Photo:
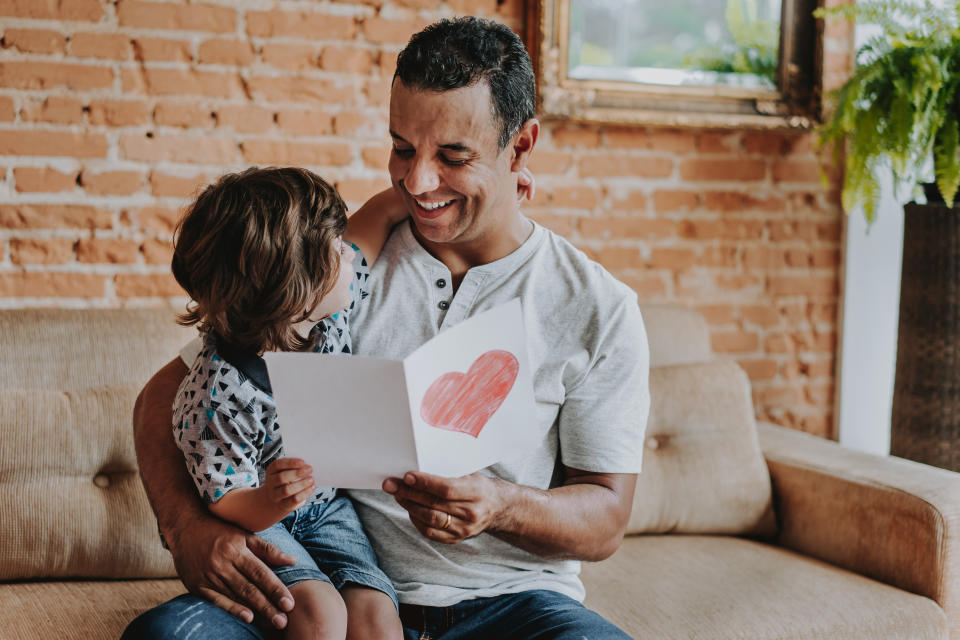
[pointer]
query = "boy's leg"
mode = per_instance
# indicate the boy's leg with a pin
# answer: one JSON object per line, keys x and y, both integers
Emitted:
{"x": 530, "y": 615}
{"x": 371, "y": 614}
{"x": 319, "y": 612}
{"x": 188, "y": 617}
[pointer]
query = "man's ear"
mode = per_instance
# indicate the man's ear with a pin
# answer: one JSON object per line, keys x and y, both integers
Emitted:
{"x": 523, "y": 143}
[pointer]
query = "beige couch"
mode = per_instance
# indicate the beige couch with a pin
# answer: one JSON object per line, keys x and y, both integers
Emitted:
{"x": 844, "y": 545}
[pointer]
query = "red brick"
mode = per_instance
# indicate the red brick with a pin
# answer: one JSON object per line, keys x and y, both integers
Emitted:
{"x": 575, "y": 136}
{"x": 718, "y": 313}
{"x": 53, "y": 216}
{"x": 387, "y": 62}
{"x": 7, "y": 109}
{"x": 108, "y": 46}
{"x": 310, "y": 26}
{"x": 301, "y": 89}
{"x": 376, "y": 157}
{"x": 723, "y": 201}
{"x": 823, "y": 312}
{"x": 175, "y": 16}
{"x": 645, "y": 286}
{"x": 718, "y": 142}
{"x": 118, "y": 113}
{"x": 228, "y": 51}
{"x": 290, "y": 56}
{"x": 51, "y": 285}
{"x": 780, "y": 231}
{"x": 296, "y": 153}
{"x": 53, "y": 143}
{"x": 829, "y": 231}
{"x": 377, "y": 92}
{"x": 578, "y": 197}
{"x": 763, "y": 257}
{"x": 163, "y": 50}
{"x": 213, "y": 84}
{"x": 666, "y": 201}
{"x": 765, "y": 203}
{"x": 49, "y": 75}
{"x": 178, "y": 148}
{"x": 672, "y": 259}
{"x": 347, "y": 59}
{"x": 31, "y": 179}
{"x": 360, "y": 125}
{"x": 34, "y": 40}
{"x": 74, "y": 10}
{"x": 759, "y": 369}
{"x": 245, "y": 119}
{"x": 550, "y": 162}
{"x": 614, "y": 258}
{"x": 763, "y": 315}
{"x": 107, "y": 251}
{"x": 634, "y": 200}
{"x": 627, "y": 166}
{"x": 778, "y": 396}
{"x": 159, "y": 219}
{"x": 309, "y": 122}
{"x": 167, "y": 185}
{"x": 41, "y": 250}
{"x": 678, "y": 142}
{"x": 791, "y": 170}
{"x": 819, "y": 394}
{"x": 803, "y": 285}
{"x": 360, "y": 190}
{"x": 632, "y": 227}
{"x": 768, "y": 143}
{"x": 188, "y": 115}
{"x": 564, "y": 225}
{"x": 157, "y": 251}
{"x": 733, "y": 168}
{"x": 390, "y": 31}
{"x": 418, "y": 4}
{"x": 725, "y": 255}
{"x": 111, "y": 183}
{"x": 54, "y": 109}
{"x": 152, "y": 285}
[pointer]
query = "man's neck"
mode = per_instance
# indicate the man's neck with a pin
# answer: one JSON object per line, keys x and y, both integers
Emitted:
{"x": 460, "y": 257}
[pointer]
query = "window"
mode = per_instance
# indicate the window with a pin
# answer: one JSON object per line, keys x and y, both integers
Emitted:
{"x": 714, "y": 63}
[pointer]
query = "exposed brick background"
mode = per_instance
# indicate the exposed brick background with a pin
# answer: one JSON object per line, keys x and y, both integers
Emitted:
{"x": 112, "y": 113}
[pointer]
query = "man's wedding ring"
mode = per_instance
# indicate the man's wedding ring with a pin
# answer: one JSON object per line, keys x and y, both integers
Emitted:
{"x": 446, "y": 523}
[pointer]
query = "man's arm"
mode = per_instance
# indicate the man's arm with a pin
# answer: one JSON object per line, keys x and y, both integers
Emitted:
{"x": 585, "y": 518}
{"x": 370, "y": 226}
{"x": 216, "y": 560}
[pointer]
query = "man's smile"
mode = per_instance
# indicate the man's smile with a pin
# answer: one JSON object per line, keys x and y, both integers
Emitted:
{"x": 432, "y": 208}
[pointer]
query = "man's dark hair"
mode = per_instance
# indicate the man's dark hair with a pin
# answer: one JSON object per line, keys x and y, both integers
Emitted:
{"x": 256, "y": 251}
{"x": 460, "y": 52}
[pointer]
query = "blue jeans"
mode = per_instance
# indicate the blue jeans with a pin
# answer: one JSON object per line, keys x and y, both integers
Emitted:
{"x": 530, "y": 615}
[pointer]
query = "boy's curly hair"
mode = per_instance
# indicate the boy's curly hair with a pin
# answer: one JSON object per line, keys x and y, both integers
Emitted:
{"x": 256, "y": 252}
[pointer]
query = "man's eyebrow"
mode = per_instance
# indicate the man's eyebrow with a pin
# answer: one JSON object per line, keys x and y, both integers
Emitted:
{"x": 452, "y": 146}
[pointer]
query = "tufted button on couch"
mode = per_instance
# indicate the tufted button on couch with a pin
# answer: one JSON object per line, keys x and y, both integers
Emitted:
{"x": 738, "y": 530}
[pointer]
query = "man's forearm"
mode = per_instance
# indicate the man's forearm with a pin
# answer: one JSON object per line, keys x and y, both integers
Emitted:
{"x": 583, "y": 520}
{"x": 169, "y": 488}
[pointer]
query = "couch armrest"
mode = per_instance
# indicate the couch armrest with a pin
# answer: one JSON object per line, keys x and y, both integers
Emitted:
{"x": 886, "y": 518}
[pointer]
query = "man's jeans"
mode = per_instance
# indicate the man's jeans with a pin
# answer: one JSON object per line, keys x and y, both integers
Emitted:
{"x": 529, "y": 615}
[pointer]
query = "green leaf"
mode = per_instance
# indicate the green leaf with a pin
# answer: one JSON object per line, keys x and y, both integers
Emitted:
{"x": 946, "y": 161}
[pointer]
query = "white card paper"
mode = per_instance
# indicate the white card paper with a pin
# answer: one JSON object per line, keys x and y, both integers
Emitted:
{"x": 459, "y": 403}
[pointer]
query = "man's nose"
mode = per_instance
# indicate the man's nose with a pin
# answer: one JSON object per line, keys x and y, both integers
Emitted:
{"x": 421, "y": 178}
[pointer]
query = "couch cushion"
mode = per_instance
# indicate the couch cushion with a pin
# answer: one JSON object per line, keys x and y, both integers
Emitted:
{"x": 87, "y": 610}
{"x": 70, "y": 496}
{"x": 703, "y": 471}
{"x": 676, "y": 335}
{"x": 72, "y": 349}
{"x": 717, "y": 587}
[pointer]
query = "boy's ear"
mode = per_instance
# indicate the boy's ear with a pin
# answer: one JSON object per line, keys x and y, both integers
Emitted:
{"x": 523, "y": 143}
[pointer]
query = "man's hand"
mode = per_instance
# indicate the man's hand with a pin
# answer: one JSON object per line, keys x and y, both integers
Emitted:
{"x": 448, "y": 510}
{"x": 224, "y": 564}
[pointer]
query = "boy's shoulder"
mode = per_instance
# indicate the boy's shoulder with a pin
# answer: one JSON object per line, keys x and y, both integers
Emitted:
{"x": 214, "y": 383}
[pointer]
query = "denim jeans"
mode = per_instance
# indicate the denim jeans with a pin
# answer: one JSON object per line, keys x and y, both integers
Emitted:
{"x": 530, "y": 615}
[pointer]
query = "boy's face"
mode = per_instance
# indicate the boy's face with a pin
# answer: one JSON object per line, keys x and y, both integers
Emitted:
{"x": 339, "y": 297}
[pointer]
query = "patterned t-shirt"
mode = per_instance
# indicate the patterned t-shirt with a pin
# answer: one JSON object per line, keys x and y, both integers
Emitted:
{"x": 224, "y": 415}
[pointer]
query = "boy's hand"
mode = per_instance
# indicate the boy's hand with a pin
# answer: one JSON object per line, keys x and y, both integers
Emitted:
{"x": 288, "y": 483}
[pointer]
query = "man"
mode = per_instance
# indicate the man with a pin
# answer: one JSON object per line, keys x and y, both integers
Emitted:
{"x": 494, "y": 554}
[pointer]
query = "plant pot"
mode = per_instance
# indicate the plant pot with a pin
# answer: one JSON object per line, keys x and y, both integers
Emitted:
{"x": 925, "y": 423}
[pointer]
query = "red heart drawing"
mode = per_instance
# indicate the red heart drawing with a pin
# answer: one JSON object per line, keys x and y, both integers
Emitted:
{"x": 465, "y": 402}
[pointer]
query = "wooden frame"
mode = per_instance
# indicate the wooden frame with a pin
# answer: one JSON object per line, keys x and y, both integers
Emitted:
{"x": 794, "y": 105}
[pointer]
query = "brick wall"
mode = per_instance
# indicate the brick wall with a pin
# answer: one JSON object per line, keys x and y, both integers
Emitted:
{"x": 113, "y": 112}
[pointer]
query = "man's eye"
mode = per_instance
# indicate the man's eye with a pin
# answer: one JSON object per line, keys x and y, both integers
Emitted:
{"x": 403, "y": 153}
{"x": 453, "y": 162}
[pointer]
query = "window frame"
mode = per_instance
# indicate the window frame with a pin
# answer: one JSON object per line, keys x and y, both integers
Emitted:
{"x": 795, "y": 104}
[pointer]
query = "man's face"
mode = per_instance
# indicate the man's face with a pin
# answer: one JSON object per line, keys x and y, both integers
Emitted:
{"x": 446, "y": 165}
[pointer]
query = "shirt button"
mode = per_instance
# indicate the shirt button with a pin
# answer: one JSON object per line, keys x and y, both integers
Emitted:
{"x": 441, "y": 283}
{"x": 444, "y": 305}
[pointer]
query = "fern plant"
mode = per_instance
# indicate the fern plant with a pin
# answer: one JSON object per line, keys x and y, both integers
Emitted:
{"x": 902, "y": 105}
